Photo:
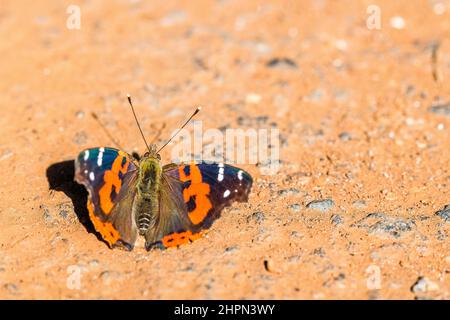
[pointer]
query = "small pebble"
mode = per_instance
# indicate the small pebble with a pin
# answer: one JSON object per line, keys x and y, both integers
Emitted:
{"x": 345, "y": 136}
{"x": 423, "y": 285}
{"x": 319, "y": 252}
{"x": 294, "y": 207}
{"x": 257, "y": 216}
{"x": 394, "y": 227}
{"x": 337, "y": 219}
{"x": 46, "y": 213}
{"x": 321, "y": 205}
{"x": 282, "y": 63}
{"x": 444, "y": 213}
{"x": 270, "y": 266}
{"x": 442, "y": 109}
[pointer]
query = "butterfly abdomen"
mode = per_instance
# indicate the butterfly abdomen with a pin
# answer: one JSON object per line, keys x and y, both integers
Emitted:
{"x": 146, "y": 204}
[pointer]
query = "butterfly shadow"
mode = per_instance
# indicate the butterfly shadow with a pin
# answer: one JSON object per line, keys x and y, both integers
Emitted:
{"x": 60, "y": 177}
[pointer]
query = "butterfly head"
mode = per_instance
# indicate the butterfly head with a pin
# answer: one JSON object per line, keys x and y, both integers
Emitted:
{"x": 152, "y": 153}
{"x": 150, "y": 168}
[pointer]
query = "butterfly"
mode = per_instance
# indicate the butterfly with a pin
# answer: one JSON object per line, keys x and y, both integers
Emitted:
{"x": 169, "y": 205}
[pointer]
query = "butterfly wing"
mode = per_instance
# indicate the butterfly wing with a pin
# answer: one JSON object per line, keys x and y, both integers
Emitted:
{"x": 110, "y": 177}
{"x": 192, "y": 197}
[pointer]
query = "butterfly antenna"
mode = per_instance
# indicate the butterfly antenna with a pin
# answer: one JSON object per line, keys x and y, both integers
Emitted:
{"x": 96, "y": 118}
{"x": 137, "y": 122}
{"x": 181, "y": 128}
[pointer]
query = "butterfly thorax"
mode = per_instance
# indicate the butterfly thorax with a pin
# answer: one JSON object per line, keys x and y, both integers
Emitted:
{"x": 146, "y": 204}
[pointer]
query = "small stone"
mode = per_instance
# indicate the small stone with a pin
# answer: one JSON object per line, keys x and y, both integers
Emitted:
{"x": 319, "y": 252}
{"x": 46, "y": 213}
{"x": 294, "y": 207}
{"x": 345, "y": 136}
{"x": 423, "y": 285}
{"x": 270, "y": 266}
{"x": 443, "y": 109}
{"x": 337, "y": 219}
{"x": 296, "y": 234}
{"x": 444, "y": 213}
{"x": 230, "y": 249}
{"x": 257, "y": 216}
{"x": 282, "y": 63}
{"x": 80, "y": 114}
{"x": 394, "y": 227}
{"x": 321, "y": 205}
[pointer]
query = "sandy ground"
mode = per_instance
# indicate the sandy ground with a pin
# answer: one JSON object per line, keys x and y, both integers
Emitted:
{"x": 364, "y": 117}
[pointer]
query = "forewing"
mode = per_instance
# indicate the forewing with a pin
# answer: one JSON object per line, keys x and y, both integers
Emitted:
{"x": 109, "y": 175}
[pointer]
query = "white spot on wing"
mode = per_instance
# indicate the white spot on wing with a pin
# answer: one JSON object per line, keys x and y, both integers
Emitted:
{"x": 91, "y": 176}
{"x": 226, "y": 193}
{"x": 239, "y": 174}
{"x": 100, "y": 157}
{"x": 86, "y": 155}
{"x": 221, "y": 171}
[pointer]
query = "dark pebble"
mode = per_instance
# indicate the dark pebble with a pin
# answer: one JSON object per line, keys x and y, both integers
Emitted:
{"x": 319, "y": 252}
{"x": 257, "y": 216}
{"x": 443, "y": 109}
{"x": 282, "y": 63}
{"x": 337, "y": 219}
{"x": 380, "y": 223}
{"x": 46, "y": 213}
{"x": 393, "y": 227}
{"x": 345, "y": 136}
{"x": 444, "y": 213}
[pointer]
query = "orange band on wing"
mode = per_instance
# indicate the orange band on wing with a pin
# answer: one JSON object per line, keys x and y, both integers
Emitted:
{"x": 106, "y": 229}
{"x": 176, "y": 239}
{"x": 199, "y": 190}
{"x": 111, "y": 179}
